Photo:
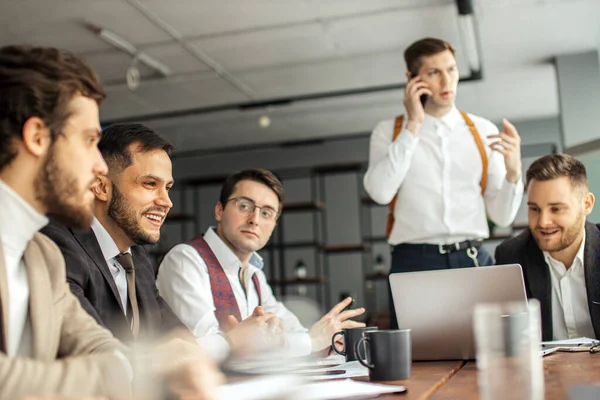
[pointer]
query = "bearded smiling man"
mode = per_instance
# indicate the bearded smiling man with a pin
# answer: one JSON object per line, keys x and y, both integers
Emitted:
{"x": 111, "y": 275}
{"x": 49, "y": 129}
{"x": 49, "y": 159}
{"x": 130, "y": 206}
{"x": 559, "y": 253}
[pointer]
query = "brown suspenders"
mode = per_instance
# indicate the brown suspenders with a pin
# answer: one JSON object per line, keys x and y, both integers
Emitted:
{"x": 484, "y": 161}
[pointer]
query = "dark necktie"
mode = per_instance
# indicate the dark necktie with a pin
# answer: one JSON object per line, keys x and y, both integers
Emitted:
{"x": 134, "y": 317}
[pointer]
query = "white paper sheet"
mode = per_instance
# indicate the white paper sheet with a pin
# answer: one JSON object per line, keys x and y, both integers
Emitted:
{"x": 291, "y": 388}
{"x": 284, "y": 365}
{"x": 263, "y": 388}
{"x": 582, "y": 341}
{"x": 344, "y": 389}
{"x": 549, "y": 350}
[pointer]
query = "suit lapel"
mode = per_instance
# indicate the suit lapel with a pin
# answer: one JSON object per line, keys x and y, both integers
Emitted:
{"x": 591, "y": 254}
{"x": 3, "y": 303}
{"x": 539, "y": 283}
{"x": 537, "y": 270}
{"x": 89, "y": 243}
{"x": 40, "y": 298}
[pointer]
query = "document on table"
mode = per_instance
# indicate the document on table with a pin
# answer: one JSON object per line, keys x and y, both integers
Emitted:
{"x": 292, "y": 388}
{"x": 577, "y": 344}
{"x": 278, "y": 366}
{"x": 582, "y": 341}
{"x": 265, "y": 387}
{"x": 332, "y": 367}
{"x": 344, "y": 389}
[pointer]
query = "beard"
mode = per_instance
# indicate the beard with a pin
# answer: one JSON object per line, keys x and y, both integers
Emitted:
{"x": 569, "y": 235}
{"x": 127, "y": 219}
{"x": 58, "y": 191}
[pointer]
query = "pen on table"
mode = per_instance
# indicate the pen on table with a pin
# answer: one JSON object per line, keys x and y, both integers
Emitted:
{"x": 331, "y": 372}
{"x": 319, "y": 366}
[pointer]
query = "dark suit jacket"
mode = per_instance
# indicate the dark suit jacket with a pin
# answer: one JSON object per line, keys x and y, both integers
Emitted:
{"x": 523, "y": 249}
{"x": 92, "y": 283}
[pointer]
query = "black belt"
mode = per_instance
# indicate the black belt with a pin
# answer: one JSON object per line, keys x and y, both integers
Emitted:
{"x": 445, "y": 248}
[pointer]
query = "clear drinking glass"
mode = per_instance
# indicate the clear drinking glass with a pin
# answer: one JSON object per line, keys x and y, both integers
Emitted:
{"x": 509, "y": 363}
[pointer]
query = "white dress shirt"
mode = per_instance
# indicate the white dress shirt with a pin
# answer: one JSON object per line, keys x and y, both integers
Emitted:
{"x": 437, "y": 176}
{"x": 570, "y": 309}
{"x": 184, "y": 283}
{"x": 110, "y": 251}
{"x": 18, "y": 223}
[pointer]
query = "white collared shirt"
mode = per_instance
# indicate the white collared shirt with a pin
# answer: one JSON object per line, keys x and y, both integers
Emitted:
{"x": 437, "y": 176}
{"x": 19, "y": 222}
{"x": 110, "y": 251}
{"x": 184, "y": 283}
{"x": 570, "y": 309}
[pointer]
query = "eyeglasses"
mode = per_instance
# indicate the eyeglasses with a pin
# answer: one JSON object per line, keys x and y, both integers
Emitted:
{"x": 246, "y": 206}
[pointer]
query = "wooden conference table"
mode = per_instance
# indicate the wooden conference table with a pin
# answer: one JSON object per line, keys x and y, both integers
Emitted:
{"x": 451, "y": 380}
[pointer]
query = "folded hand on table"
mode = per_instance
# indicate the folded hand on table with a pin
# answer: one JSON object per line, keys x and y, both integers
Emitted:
{"x": 260, "y": 331}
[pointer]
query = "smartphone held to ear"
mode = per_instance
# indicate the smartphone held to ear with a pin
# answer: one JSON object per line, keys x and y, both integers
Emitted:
{"x": 424, "y": 97}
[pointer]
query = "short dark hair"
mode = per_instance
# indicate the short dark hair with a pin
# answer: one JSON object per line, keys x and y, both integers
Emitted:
{"x": 424, "y": 47}
{"x": 555, "y": 166}
{"x": 263, "y": 176}
{"x": 116, "y": 139}
{"x": 40, "y": 82}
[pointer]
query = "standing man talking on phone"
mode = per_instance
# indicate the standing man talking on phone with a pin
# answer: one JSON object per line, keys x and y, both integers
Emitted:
{"x": 442, "y": 171}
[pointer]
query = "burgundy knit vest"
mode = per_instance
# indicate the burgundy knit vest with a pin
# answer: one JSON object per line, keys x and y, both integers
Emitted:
{"x": 223, "y": 297}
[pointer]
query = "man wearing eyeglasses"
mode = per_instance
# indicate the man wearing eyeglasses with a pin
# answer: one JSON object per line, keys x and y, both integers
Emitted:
{"x": 215, "y": 281}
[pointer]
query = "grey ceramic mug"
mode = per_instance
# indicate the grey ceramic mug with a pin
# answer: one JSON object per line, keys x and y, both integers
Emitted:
{"x": 351, "y": 336}
{"x": 388, "y": 353}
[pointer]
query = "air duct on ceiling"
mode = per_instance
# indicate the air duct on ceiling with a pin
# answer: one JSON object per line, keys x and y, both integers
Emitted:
{"x": 469, "y": 41}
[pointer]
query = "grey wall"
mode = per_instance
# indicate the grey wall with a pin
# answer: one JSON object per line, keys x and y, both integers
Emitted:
{"x": 579, "y": 86}
{"x": 592, "y": 166}
{"x": 346, "y": 219}
{"x": 333, "y": 151}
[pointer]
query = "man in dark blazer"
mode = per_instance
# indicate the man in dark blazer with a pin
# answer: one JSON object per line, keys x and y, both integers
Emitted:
{"x": 560, "y": 252}
{"x": 91, "y": 281}
{"x": 131, "y": 203}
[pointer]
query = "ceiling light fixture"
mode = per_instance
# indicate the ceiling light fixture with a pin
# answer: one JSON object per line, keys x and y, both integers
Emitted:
{"x": 467, "y": 27}
{"x": 133, "y": 77}
{"x": 264, "y": 121}
{"x": 138, "y": 56}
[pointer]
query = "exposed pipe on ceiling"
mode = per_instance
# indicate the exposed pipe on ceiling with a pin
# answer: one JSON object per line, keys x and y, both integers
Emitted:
{"x": 193, "y": 49}
{"x": 469, "y": 37}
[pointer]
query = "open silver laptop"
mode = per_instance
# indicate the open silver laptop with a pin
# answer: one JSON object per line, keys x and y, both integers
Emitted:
{"x": 438, "y": 306}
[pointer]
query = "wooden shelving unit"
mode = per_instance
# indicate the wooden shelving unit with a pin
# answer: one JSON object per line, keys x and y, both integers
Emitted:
{"x": 299, "y": 281}
{"x": 376, "y": 276}
{"x": 304, "y": 206}
{"x": 344, "y": 248}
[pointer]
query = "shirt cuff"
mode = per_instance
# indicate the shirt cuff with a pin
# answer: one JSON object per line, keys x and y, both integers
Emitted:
{"x": 216, "y": 345}
{"x": 404, "y": 144}
{"x": 298, "y": 344}
{"x": 516, "y": 187}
